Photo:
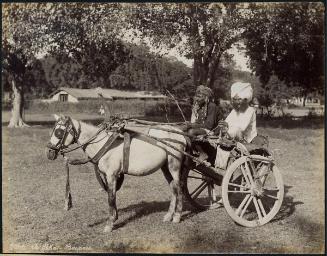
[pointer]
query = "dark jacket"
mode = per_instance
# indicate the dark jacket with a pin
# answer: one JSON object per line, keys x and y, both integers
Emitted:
{"x": 209, "y": 121}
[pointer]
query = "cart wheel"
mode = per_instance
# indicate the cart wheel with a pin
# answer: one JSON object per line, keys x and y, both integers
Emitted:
{"x": 252, "y": 190}
{"x": 200, "y": 191}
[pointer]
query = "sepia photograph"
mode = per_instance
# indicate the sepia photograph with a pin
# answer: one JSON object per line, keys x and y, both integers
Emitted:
{"x": 163, "y": 127}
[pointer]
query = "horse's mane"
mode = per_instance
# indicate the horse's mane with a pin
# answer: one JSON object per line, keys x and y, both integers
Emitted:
{"x": 88, "y": 128}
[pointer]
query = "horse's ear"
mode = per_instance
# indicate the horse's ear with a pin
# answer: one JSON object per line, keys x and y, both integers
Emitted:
{"x": 56, "y": 116}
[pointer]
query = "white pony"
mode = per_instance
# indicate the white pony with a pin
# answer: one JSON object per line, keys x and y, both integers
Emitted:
{"x": 146, "y": 156}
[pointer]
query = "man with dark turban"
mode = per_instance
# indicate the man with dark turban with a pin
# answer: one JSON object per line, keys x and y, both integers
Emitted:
{"x": 204, "y": 115}
{"x": 204, "y": 112}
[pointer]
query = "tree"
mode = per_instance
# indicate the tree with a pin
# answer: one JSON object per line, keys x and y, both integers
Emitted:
{"x": 201, "y": 31}
{"x": 147, "y": 71}
{"x": 273, "y": 94}
{"x": 83, "y": 32}
{"x": 14, "y": 68}
{"x": 287, "y": 40}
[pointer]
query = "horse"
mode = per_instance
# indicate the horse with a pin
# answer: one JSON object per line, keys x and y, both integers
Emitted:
{"x": 146, "y": 156}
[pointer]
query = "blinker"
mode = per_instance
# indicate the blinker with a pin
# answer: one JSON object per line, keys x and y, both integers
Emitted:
{"x": 59, "y": 133}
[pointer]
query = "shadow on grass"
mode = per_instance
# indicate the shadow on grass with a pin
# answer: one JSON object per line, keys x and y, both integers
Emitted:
{"x": 143, "y": 209}
{"x": 288, "y": 207}
{"x": 139, "y": 210}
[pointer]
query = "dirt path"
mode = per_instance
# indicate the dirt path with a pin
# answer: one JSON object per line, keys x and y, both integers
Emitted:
{"x": 34, "y": 219}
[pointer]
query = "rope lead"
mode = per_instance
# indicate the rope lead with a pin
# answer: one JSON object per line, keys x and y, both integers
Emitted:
{"x": 68, "y": 195}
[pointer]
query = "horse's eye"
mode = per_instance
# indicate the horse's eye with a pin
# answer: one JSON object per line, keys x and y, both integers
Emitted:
{"x": 59, "y": 133}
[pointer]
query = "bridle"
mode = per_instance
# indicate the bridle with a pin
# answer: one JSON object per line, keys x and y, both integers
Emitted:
{"x": 61, "y": 134}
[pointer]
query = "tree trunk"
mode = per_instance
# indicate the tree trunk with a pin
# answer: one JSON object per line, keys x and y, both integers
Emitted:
{"x": 16, "y": 119}
{"x": 304, "y": 99}
{"x": 211, "y": 74}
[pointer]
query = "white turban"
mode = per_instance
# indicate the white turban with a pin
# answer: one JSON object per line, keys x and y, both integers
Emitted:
{"x": 242, "y": 90}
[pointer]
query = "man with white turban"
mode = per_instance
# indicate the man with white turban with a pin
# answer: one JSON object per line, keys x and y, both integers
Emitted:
{"x": 242, "y": 119}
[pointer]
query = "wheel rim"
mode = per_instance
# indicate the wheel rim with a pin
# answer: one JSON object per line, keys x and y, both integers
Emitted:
{"x": 201, "y": 191}
{"x": 252, "y": 191}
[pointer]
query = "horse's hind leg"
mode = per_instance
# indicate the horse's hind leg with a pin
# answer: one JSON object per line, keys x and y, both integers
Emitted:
{"x": 171, "y": 171}
{"x": 113, "y": 214}
{"x": 172, "y": 205}
{"x": 175, "y": 170}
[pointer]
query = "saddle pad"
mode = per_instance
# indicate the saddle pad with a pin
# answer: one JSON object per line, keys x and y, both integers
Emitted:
{"x": 138, "y": 128}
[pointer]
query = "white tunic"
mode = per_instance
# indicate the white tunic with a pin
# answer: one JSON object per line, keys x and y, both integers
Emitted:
{"x": 242, "y": 125}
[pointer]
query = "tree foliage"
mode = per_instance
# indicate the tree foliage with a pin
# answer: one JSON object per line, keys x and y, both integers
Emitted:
{"x": 83, "y": 32}
{"x": 200, "y": 31}
{"x": 287, "y": 40}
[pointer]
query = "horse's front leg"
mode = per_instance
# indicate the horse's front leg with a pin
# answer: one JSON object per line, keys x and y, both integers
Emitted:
{"x": 113, "y": 214}
{"x": 171, "y": 171}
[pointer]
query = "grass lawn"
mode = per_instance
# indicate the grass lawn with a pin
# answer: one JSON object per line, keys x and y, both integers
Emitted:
{"x": 34, "y": 219}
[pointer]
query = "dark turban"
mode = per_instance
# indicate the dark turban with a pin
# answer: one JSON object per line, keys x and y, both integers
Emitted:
{"x": 201, "y": 89}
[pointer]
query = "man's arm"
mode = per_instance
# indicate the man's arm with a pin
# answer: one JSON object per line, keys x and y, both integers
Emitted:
{"x": 210, "y": 121}
{"x": 250, "y": 117}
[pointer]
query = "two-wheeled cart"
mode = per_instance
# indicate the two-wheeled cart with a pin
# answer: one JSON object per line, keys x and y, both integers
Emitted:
{"x": 250, "y": 187}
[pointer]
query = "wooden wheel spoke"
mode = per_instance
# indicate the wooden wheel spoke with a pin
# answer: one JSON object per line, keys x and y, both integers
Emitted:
{"x": 195, "y": 177}
{"x": 248, "y": 172}
{"x": 270, "y": 196}
{"x": 246, "y": 206}
{"x": 195, "y": 170}
{"x": 245, "y": 175}
{"x": 254, "y": 169}
{"x": 261, "y": 207}
{"x": 257, "y": 208}
{"x": 262, "y": 175}
{"x": 240, "y": 192}
{"x": 236, "y": 185}
{"x": 246, "y": 200}
{"x": 199, "y": 189}
{"x": 271, "y": 189}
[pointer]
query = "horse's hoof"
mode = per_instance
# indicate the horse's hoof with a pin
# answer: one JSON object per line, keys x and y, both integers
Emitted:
{"x": 168, "y": 217}
{"x": 108, "y": 228}
{"x": 177, "y": 218}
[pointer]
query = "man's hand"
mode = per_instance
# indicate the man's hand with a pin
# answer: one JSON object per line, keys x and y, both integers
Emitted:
{"x": 222, "y": 124}
{"x": 222, "y": 127}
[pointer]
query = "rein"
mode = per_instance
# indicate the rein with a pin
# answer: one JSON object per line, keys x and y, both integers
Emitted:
{"x": 68, "y": 150}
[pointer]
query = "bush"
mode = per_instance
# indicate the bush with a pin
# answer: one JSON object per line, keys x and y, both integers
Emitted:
{"x": 171, "y": 109}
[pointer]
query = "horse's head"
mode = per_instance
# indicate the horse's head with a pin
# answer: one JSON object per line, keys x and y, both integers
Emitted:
{"x": 63, "y": 134}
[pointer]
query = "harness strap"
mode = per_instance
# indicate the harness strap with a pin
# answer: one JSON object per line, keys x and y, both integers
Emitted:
{"x": 126, "y": 150}
{"x": 105, "y": 148}
{"x": 68, "y": 195}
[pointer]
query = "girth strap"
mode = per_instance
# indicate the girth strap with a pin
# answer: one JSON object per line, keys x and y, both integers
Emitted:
{"x": 126, "y": 150}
